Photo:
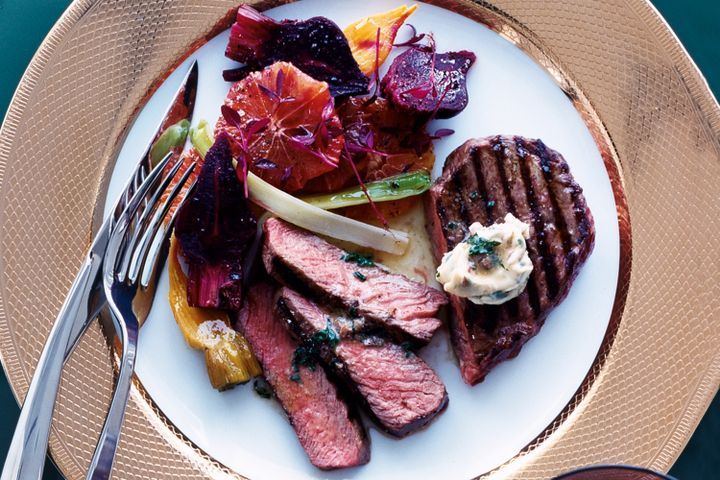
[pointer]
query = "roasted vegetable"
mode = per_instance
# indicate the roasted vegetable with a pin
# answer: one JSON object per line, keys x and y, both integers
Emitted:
{"x": 369, "y": 50}
{"x": 214, "y": 228}
{"x": 228, "y": 357}
{"x": 323, "y": 222}
{"x": 173, "y": 137}
{"x": 421, "y": 81}
{"x": 230, "y": 361}
{"x": 391, "y": 188}
{"x": 201, "y": 138}
{"x": 316, "y": 46}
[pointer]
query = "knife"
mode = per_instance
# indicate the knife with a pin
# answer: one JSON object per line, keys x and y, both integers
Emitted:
{"x": 26, "y": 456}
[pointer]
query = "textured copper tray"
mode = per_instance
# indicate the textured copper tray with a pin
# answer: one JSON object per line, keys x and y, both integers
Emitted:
{"x": 652, "y": 115}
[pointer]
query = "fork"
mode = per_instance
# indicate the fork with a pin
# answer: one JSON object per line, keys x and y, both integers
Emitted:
{"x": 133, "y": 261}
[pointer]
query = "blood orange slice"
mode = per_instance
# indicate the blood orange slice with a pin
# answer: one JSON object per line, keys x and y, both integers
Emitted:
{"x": 287, "y": 123}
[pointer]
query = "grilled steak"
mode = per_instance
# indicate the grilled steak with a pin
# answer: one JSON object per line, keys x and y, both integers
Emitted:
{"x": 309, "y": 264}
{"x": 401, "y": 392}
{"x": 481, "y": 182}
{"x": 328, "y": 429}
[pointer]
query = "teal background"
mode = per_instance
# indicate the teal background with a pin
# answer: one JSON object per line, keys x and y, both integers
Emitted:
{"x": 24, "y": 24}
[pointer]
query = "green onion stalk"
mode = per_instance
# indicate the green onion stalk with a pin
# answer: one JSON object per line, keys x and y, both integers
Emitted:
{"x": 173, "y": 137}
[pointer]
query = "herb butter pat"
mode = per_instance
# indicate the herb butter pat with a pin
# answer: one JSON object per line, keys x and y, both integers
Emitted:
{"x": 491, "y": 266}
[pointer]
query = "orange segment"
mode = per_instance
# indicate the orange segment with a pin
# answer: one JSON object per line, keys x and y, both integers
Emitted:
{"x": 303, "y": 138}
{"x": 362, "y": 36}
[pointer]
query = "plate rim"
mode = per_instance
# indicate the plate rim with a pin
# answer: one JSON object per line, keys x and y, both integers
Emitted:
{"x": 697, "y": 88}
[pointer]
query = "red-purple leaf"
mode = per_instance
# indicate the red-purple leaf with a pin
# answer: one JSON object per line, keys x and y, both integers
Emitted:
{"x": 269, "y": 93}
{"x": 279, "y": 83}
{"x": 443, "y": 132}
{"x": 413, "y": 40}
{"x": 231, "y": 117}
{"x": 256, "y": 126}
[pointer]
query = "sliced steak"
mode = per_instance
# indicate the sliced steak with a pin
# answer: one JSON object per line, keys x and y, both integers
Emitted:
{"x": 482, "y": 181}
{"x": 328, "y": 429}
{"x": 400, "y": 391}
{"x": 309, "y": 264}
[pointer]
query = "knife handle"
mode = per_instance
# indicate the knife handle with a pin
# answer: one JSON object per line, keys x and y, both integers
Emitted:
{"x": 26, "y": 456}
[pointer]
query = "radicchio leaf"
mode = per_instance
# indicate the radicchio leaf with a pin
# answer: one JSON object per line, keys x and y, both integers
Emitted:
{"x": 214, "y": 228}
{"x": 424, "y": 82}
{"x": 316, "y": 46}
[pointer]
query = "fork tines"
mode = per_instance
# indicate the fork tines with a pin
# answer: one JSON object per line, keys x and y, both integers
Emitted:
{"x": 135, "y": 240}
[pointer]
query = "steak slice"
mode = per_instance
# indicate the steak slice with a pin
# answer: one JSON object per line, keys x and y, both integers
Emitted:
{"x": 483, "y": 180}
{"x": 328, "y": 428}
{"x": 309, "y": 264}
{"x": 400, "y": 391}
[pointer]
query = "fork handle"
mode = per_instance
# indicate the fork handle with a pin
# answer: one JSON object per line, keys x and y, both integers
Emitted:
{"x": 26, "y": 456}
{"x": 104, "y": 456}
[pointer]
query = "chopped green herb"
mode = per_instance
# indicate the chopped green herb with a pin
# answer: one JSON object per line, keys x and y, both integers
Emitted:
{"x": 407, "y": 348}
{"x": 359, "y": 258}
{"x": 262, "y": 388}
{"x": 474, "y": 195}
{"x": 491, "y": 203}
{"x": 353, "y": 311}
{"x": 452, "y": 225}
{"x": 481, "y": 246}
{"x": 359, "y": 276}
{"x": 306, "y": 355}
{"x": 295, "y": 377}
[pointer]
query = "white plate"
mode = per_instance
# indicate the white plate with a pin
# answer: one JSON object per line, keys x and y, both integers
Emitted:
{"x": 484, "y": 425}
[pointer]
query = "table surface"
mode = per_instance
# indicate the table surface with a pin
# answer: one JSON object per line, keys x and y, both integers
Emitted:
{"x": 23, "y": 25}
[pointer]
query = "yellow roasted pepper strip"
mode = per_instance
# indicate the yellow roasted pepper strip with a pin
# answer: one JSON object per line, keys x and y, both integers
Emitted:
{"x": 362, "y": 36}
{"x": 228, "y": 357}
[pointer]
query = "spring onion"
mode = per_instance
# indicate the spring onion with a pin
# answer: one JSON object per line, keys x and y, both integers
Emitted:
{"x": 173, "y": 137}
{"x": 323, "y": 222}
{"x": 201, "y": 138}
{"x": 390, "y": 188}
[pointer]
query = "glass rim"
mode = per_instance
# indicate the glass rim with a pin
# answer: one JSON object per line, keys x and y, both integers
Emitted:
{"x": 634, "y": 468}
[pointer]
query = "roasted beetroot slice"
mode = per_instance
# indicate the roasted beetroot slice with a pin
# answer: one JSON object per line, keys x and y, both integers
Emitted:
{"x": 413, "y": 85}
{"x": 215, "y": 227}
{"x": 316, "y": 46}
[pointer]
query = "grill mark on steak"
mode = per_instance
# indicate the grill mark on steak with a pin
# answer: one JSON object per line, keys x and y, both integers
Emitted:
{"x": 327, "y": 427}
{"x": 300, "y": 259}
{"x": 538, "y": 149}
{"x": 398, "y": 389}
{"x": 522, "y": 205}
{"x": 510, "y": 169}
{"x": 543, "y": 233}
{"x": 513, "y": 202}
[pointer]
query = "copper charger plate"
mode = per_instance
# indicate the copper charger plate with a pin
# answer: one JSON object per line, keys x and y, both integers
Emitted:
{"x": 649, "y": 108}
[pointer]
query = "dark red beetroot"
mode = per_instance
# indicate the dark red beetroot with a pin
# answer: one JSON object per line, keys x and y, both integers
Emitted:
{"x": 422, "y": 81}
{"x": 309, "y": 264}
{"x": 215, "y": 227}
{"x": 328, "y": 429}
{"x": 316, "y": 46}
{"x": 400, "y": 390}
